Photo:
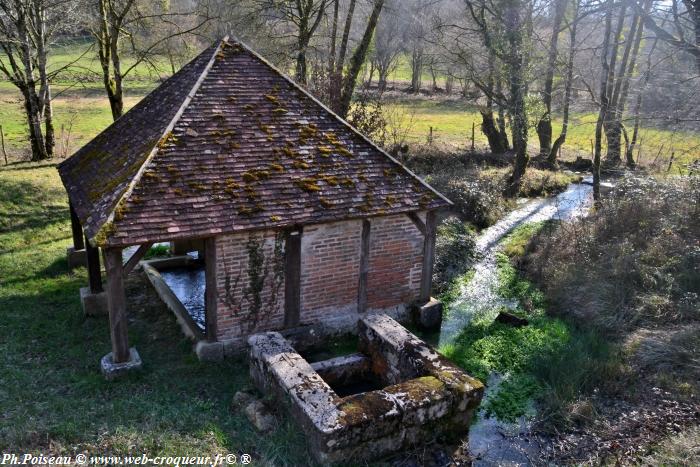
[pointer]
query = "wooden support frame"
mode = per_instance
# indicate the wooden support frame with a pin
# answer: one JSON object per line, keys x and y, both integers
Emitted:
{"x": 292, "y": 278}
{"x": 116, "y": 300}
{"x": 420, "y": 225}
{"x": 364, "y": 266}
{"x": 426, "y": 280}
{"x": 76, "y": 229}
{"x": 210, "y": 293}
{"x": 93, "y": 265}
{"x": 136, "y": 257}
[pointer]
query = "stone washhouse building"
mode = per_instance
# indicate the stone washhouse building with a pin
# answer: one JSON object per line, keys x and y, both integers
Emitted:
{"x": 300, "y": 220}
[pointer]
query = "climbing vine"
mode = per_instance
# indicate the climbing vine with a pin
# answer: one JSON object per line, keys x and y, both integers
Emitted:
{"x": 264, "y": 271}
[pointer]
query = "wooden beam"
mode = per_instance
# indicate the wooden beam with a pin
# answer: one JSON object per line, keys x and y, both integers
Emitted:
{"x": 426, "y": 280}
{"x": 364, "y": 267}
{"x": 210, "y": 294}
{"x": 78, "y": 241}
{"x": 116, "y": 300}
{"x": 93, "y": 266}
{"x": 136, "y": 257}
{"x": 292, "y": 278}
{"x": 420, "y": 225}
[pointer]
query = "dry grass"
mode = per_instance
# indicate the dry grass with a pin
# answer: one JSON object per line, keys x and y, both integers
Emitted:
{"x": 633, "y": 263}
{"x": 682, "y": 449}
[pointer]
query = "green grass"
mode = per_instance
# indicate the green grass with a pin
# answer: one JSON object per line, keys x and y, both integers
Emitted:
{"x": 52, "y": 395}
{"x": 452, "y": 121}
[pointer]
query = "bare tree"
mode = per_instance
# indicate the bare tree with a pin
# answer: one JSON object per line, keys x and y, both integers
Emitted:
{"x": 684, "y": 24}
{"x": 604, "y": 97}
{"x": 568, "y": 84}
{"x": 388, "y": 47}
{"x": 544, "y": 125}
{"x": 26, "y": 31}
{"x": 343, "y": 82}
{"x": 116, "y": 20}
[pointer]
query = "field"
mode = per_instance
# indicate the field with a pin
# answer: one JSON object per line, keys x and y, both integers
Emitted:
{"x": 82, "y": 111}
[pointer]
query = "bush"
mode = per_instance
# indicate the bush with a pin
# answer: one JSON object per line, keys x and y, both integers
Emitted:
{"x": 454, "y": 252}
{"x": 634, "y": 262}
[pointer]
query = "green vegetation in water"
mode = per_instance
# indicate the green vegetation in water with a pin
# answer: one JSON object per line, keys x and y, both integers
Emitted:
{"x": 157, "y": 251}
{"x": 549, "y": 360}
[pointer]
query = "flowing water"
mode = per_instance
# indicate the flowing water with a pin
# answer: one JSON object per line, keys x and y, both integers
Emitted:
{"x": 492, "y": 442}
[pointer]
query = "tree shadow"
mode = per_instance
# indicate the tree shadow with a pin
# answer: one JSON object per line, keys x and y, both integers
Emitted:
{"x": 24, "y": 205}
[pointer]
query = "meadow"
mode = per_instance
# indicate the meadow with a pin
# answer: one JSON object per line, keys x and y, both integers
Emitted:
{"x": 81, "y": 111}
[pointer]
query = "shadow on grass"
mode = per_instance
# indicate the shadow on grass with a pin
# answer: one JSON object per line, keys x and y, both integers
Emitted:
{"x": 25, "y": 206}
{"x": 53, "y": 394}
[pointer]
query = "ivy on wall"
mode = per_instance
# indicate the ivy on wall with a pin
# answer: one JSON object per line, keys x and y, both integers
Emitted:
{"x": 263, "y": 271}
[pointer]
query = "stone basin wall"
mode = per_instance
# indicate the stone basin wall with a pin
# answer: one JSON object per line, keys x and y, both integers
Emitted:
{"x": 425, "y": 395}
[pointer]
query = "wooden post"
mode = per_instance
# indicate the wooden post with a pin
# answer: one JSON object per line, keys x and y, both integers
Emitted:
{"x": 210, "y": 309}
{"x": 426, "y": 280}
{"x": 473, "y": 126}
{"x": 364, "y": 267}
{"x": 292, "y": 278}
{"x": 2, "y": 144}
{"x": 93, "y": 266}
{"x": 116, "y": 300}
{"x": 78, "y": 243}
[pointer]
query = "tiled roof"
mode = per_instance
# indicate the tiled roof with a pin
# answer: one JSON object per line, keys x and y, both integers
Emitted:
{"x": 229, "y": 144}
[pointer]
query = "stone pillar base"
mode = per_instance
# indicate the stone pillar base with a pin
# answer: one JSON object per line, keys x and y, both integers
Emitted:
{"x": 209, "y": 351}
{"x": 94, "y": 304}
{"x": 429, "y": 315}
{"x": 76, "y": 258}
{"x": 111, "y": 370}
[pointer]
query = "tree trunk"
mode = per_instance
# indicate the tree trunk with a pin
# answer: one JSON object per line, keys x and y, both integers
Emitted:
{"x": 604, "y": 101}
{"x": 336, "y": 85}
{"x": 358, "y": 58}
{"x": 501, "y": 121}
{"x": 612, "y": 130}
{"x": 544, "y": 125}
{"x": 493, "y": 135}
{"x": 515, "y": 63}
{"x": 559, "y": 142}
{"x": 301, "y": 67}
{"x": 416, "y": 70}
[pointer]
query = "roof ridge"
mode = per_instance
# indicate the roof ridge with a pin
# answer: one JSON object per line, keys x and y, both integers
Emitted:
{"x": 338, "y": 117}
{"x": 139, "y": 174}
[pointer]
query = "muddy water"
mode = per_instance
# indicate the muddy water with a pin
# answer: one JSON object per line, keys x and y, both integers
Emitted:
{"x": 492, "y": 442}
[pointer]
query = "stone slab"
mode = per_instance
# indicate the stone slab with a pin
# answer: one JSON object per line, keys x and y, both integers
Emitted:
{"x": 112, "y": 370}
{"x": 209, "y": 351}
{"x": 94, "y": 304}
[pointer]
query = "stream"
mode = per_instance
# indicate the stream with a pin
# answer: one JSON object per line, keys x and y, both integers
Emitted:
{"x": 492, "y": 442}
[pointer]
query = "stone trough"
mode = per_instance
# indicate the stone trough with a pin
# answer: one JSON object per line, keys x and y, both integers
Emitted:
{"x": 394, "y": 393}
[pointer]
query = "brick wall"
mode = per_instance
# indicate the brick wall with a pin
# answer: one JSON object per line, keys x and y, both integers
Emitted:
{"x": 330, "y": 270}
{"x": 395, "y": 262}
{"x": 238, "y": 314}
{"x": 329, "y": 274}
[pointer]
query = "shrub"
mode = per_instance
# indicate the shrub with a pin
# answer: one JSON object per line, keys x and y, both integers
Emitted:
{"x": 635, "y": 262}
{"x": 454, "y": 252}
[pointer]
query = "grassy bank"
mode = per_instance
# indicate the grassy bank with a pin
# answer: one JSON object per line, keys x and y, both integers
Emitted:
{"x": 53, "y": 398}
